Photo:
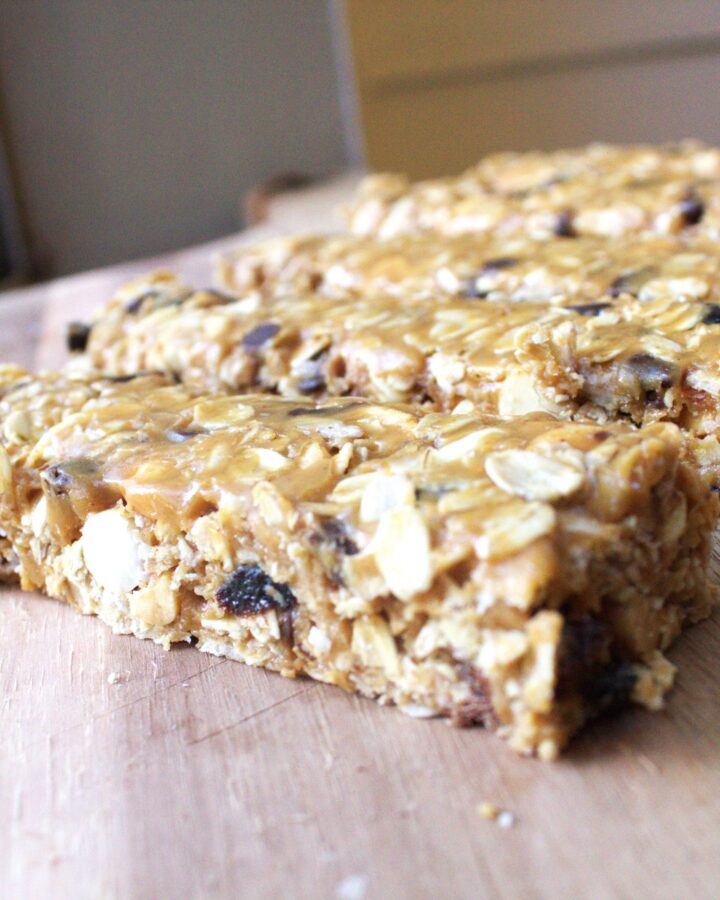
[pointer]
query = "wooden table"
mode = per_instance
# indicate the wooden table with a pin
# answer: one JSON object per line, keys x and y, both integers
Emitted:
{"x": 129, "y": 772}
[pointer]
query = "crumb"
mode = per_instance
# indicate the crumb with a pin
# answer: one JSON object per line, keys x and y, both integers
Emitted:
{"x": 503, "y": 817}
{"x": 488, "y": 810}
{"x": 114, "y": 678}
{"x": 353, "y": 887}
{"x": 506, "y": 819}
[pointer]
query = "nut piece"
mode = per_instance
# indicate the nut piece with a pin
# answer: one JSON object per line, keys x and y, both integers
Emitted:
{"x": 373, "y": 644}
{"x": 113, "y": 551}
{"x": 531, "y": 475}
{"x": 156, "y": 604}
{"x": 402, "y": 551}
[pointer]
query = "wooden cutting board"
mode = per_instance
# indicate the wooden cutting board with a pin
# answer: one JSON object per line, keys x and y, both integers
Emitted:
{"x": 129, "y": 772}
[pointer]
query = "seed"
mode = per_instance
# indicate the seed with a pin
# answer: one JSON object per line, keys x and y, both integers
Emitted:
{"x": 260, "y": 335}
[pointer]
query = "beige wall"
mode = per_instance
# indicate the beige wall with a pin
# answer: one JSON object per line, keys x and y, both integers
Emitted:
{"x": 443, "y": 81}
{"x": 136, "y": 125}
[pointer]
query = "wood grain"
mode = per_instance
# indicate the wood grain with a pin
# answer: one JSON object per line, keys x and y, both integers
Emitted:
{"x": 195, "y": 777}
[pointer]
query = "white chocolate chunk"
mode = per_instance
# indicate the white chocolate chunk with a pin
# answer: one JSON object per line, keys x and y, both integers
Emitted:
{"x": 113, "y": 551}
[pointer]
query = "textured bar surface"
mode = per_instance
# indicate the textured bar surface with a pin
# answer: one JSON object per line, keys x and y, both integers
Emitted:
{"x": 598, "y": 190}
{"x": 521, "y": 574}
{"x": 563, "y": 272}
{"x": 651, "y": 357}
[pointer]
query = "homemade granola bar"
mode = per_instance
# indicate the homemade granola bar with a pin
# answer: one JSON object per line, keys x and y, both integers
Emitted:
{"x": 597, "y": 190}
{"x": 478, "y": 267}
{"x": 520, "y": 574}
{"x": 654, "y": 356}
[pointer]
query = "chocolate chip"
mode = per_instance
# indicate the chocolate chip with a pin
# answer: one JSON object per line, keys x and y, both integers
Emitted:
{"x": 250, "y": 590}
{"x": 653, "y": 374}
{"x": 589, "y": 309}
{"x": 497, "y": 265}
{"x": 124, "y": 379}
{"x": 631, "y": 282}
{"x": 77, "y": 336}
{"x": 312, "y": 384}
{"x": 692, "y": 208}
{"x": 472, "y": 292}
{"x": 564, "y": 225}
{"x": 133, "y": 307}
{"x": 260, "y": 335}
{"x": 712, "y": 314}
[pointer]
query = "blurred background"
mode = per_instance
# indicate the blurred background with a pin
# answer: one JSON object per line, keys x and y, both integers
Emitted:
{"x": 133, "y": 127}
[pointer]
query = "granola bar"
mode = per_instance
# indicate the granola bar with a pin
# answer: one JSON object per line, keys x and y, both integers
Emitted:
{"x": 522, "y": 574}
{"x": 654, "y": 356}
{"x": 477, "y": 266}
{"x": 598, "y": 190}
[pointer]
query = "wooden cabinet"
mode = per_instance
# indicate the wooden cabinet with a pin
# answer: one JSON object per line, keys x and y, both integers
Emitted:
{"x": 440, "y": 82}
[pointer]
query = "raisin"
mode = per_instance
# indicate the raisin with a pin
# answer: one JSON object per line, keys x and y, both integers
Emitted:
{"x": 564, "y": 225}
{"x": 589, "y": 309}
{"x": 712, "y": 315}
{"x": 77, "y": 336}
{"x": 584, "y": 643}
{"x": 588, "y": 667}
{"x": 260, "y": 335}
{"x": 477, "y": 708}
{"x": 250, "y": 590}
{"x": 610, "y": 685}
{"x": 653, "y": 374}
{"x": 334, "y": 531}
{"x": 692, "y": 208}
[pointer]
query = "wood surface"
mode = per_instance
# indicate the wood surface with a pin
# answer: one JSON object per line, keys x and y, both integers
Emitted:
{"x": 129, "y": 772}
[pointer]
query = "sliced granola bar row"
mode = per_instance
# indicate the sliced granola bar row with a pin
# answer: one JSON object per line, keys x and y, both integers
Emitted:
{"x": 521, "y": 574}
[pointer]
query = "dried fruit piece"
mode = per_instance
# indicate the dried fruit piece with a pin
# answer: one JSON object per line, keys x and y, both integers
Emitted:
{"x": 250, "y": 590}
{"x": 652, "y": 373}
{"x": 531, "y": 475}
